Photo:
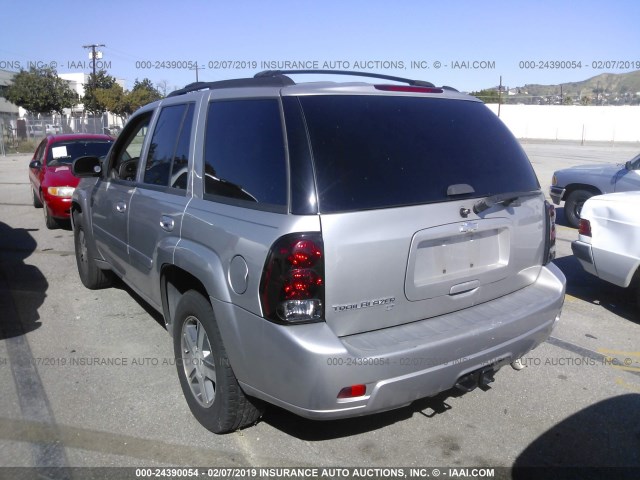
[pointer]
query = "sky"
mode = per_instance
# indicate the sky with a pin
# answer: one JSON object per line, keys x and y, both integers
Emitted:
{"x": 468, "y": 45}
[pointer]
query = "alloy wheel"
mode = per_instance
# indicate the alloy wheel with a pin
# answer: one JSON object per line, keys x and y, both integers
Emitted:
{"x": 198, "y": 362}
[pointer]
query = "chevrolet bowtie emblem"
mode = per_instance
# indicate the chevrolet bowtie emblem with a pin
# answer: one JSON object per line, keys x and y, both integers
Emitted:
{"x": 469, "y": 227}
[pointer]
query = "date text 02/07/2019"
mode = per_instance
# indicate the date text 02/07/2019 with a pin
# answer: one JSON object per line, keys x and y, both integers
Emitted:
{"x": 578, "y": 64}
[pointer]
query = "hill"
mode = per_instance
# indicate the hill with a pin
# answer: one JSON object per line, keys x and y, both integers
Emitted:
{"x": 603, "y": 89}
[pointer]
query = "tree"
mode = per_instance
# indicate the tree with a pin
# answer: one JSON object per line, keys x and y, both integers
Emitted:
{"x": 487, "y": 96}
{"x": 122, "y": 102}
{"x": 40, "y": 90}
{"x": 143, "y": 92}
{"x": 101, "y": 81}
{"x": 162, "y": 87}
{"x": 113, "y": 99}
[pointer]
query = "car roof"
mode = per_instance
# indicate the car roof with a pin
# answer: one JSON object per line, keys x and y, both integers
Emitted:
{"x": 279, "y": 81}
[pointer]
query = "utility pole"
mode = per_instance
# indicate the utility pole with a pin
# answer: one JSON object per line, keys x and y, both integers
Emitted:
{"x": 94, "y": 55}
{"x": 196, "y": 68}
{"x": 499, "y": 95}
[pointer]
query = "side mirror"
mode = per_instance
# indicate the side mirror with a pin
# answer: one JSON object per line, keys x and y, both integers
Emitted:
{"x": 84, "y": 167}
{"x": 35, "y": 164}
{"x": 628, "y": 165}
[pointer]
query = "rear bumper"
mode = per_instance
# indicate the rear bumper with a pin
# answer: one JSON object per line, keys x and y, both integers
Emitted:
{"x": 582, "y": 251}
{"x": 611, "y": 266}
{"x": 302, "y": 368}
{"x": 556, "y": 194}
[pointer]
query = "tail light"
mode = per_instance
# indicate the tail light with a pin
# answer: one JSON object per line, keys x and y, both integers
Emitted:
{"x": 292, "y": 284}
{"x": 584, "y": 227}
{"x": 550, "y": 235}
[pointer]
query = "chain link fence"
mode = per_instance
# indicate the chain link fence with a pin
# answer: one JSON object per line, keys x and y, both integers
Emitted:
{"x": 24, "y": 134}
{"x": 6, "y": 131}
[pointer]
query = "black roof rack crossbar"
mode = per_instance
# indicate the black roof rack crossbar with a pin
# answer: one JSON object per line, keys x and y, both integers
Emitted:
{"x": 278, "y": 78}
{"x": 270, "y": 81}
{"x": 280, "y": 73}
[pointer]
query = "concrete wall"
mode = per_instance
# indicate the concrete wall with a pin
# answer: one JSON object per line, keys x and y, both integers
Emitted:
{"x": 572, "y": 122}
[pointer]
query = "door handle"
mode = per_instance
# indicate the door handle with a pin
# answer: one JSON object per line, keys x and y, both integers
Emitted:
{"x": 167, "y": 223}
{"x": 121, "y": 207}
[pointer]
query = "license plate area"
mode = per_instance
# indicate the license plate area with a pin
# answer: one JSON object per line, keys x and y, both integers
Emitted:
{"x": 446, "y": 256}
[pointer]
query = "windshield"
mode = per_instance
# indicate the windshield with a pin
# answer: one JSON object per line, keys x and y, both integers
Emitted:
{"x": 387, "y": 151}
{"x": 64, "y": 153}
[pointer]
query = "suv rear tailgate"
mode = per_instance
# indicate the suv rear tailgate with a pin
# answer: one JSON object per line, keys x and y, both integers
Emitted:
{"x": 413, "y": 263}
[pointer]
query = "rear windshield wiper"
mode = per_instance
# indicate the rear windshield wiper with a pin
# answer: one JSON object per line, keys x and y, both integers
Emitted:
{"x": 502, "y": 198}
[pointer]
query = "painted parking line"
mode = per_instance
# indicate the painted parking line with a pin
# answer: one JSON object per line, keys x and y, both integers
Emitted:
{"x": 32, "y": 398}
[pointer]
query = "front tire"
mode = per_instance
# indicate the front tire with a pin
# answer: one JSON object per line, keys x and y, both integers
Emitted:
{"x": 91, "y": 275}
{"x": 573, "y": 206}
{"x": 49, "y": 221}
{"x": 207, "y": 380}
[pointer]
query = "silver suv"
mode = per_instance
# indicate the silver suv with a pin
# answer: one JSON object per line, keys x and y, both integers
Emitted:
{"x": 336, "y": 249}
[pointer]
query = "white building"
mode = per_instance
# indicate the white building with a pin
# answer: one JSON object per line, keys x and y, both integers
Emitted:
{"x": 78, "y": 119}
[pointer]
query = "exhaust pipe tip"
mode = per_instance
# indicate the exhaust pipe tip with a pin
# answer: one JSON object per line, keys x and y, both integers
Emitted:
{"x": 518, "y": 364}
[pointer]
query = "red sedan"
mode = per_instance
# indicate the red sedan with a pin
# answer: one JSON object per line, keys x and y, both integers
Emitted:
{"x": 52, "y": 183}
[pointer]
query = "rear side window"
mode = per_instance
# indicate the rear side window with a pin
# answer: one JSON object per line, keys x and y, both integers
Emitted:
{"x": 169, "y": 150}
{"x": 382, "y": 151}
{"x": 39, "y": 155}
{"x": 244, "y": 153}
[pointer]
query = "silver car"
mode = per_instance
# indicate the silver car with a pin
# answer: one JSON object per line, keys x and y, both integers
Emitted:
{"x": 336, "y": 249}
{"x": 575, "y": 185}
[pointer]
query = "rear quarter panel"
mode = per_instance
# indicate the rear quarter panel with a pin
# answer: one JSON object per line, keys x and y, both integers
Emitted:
{"x": 214, "y": 233}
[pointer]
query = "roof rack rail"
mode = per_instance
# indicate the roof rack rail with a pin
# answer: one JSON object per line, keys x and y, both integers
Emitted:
{"x": 266, "y": 81}
{"x": 281, "y": 73}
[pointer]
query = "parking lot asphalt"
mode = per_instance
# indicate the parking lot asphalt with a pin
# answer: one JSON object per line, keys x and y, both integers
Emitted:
{"x": 88, "y": 377}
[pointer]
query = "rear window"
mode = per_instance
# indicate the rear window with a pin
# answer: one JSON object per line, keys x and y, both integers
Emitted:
{"x": 66, "y": 152}
{"x": 382, "y": 151}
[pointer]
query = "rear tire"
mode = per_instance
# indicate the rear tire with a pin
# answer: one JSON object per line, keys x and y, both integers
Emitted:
{"x": 573, "y": 206}
{"x": 207, "y": 380}
{"x": 91, "y": 275}
{"x": 634, "y": 286}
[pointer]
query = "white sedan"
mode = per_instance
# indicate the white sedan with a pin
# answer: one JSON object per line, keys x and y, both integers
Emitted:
{"x": 608, "y": 244}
